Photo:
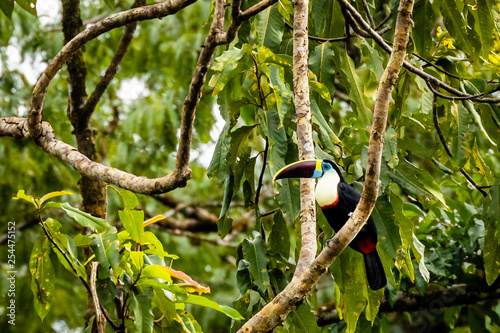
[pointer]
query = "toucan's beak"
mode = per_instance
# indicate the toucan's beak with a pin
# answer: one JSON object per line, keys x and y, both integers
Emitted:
{"x": 301, "y": 169}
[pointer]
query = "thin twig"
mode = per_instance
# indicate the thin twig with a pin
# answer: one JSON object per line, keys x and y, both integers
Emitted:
{"x": 369, "y": 15}
{"x": 438, "y": 127}
{"x": 261, "y": 176}
{"x": 453, "y": 98}
{"x": 100, "y": 321}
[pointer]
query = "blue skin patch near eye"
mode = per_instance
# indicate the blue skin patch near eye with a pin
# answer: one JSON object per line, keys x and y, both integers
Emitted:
{"x": 326, "y": 166}
{"x": 317, "y": 173}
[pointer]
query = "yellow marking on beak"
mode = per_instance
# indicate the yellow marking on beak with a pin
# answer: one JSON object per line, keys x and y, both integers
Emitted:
{"x": 318, "y": 165}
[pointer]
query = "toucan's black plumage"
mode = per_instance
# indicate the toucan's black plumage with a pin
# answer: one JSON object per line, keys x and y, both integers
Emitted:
{"x": 338, "y": 201}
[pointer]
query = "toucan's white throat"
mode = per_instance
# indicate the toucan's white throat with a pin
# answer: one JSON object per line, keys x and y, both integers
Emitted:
{"x": 326, "y": 189}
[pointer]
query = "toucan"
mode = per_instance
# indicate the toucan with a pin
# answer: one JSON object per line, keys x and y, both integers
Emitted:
{"x": 338, "y": 200}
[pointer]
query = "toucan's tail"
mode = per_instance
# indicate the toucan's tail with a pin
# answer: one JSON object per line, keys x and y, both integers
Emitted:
{"x": 374, "y": 271}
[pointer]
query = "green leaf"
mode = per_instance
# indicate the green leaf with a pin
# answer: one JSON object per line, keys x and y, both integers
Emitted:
{"x": 42, "y": 276}
{"x": 22, "y": 195}
{"x": 133, "y": 221}
{"x": 157, "y": 271}
{"x": 85, "y": 219}
{"x": 456, "y": 25}
{"x": 68, "y": 246}
{"x": 269, "y": 26}
{"x": 321, "y": 63}
{"x": 219, "y": 165}
{"x": 451, "y": 315}
{"x": 202, "y": 301}
{"x": 228, "y": 65}
{"x": 422, "y": 33}
{"x": 304, "y": 320}
{"x": 143, "y": 314}
{"x": 388, "y": 234}
{"x": 27, "y": 5}
{"x": 137, "y": 259}
{"x": 110, "y": 3}
{"x": 52, "y": 195}
{"x": 350, "y": 276}
{"x": 225, "y": 223}
{"x": 255, "y": 253}
{"x": 105, "y": 247}
{"x": 491, "y": 250}
{"x": 7, "y": 6}
{"x": 283, "y": 95}
{"x": 129, "y": 198}
{"x": 390, "y": 149}
{"x": 279, "y": 239}
{"x": 485, "y": 26}
{"x": 349, "y": 78}
{"x": 373, "y": 60}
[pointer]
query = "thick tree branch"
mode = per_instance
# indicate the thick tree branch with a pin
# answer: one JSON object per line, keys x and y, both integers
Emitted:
{"x": 305, "y": 141}
{"x": 430, "y": 301}
{"x": 300, "y": 287}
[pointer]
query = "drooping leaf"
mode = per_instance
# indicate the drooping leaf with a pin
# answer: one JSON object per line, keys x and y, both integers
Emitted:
{"x": 105, "y": 247}
{"x": 485, "y": 26}
{"x": 227, "y": 66}
{"x": 279, "y": 239}
{"x": 51, "y": 195}
{"x": 491, "y": 250}
{"x": 423, "y": 12}
{"x": 143, "y": 314}
{"x": 7, "y": 7}
{"x": 133, "y": 221}
{"x": 42, "y": 276}
{"x": 349, "y": 78}
{"x": 304, "y": 320}
{"x": 202, "y": 301}
{"x": 225, "y": 222}
{"x": 456, "y": 25}
{"x": 350, "y": 276}
{"x": 85, "y": 219}
{"x": 255, "y": 253}
{"x": 321, "y": 63}
{"x": 269, "y": 26}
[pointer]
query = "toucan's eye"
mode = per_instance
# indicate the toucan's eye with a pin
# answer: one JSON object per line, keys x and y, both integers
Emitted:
{"x": 327, "y": 166}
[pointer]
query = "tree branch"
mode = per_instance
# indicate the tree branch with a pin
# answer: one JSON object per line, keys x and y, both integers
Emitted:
{"x": 304, "y": 134}
{"x": 430, "y": 301}
{"x": 276, "y": 311}
{"x": 100, "y": 321}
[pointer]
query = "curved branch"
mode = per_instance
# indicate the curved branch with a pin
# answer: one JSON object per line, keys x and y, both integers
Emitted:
{"x": 18, "y": 128}
{"x": 294, "y": 293}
